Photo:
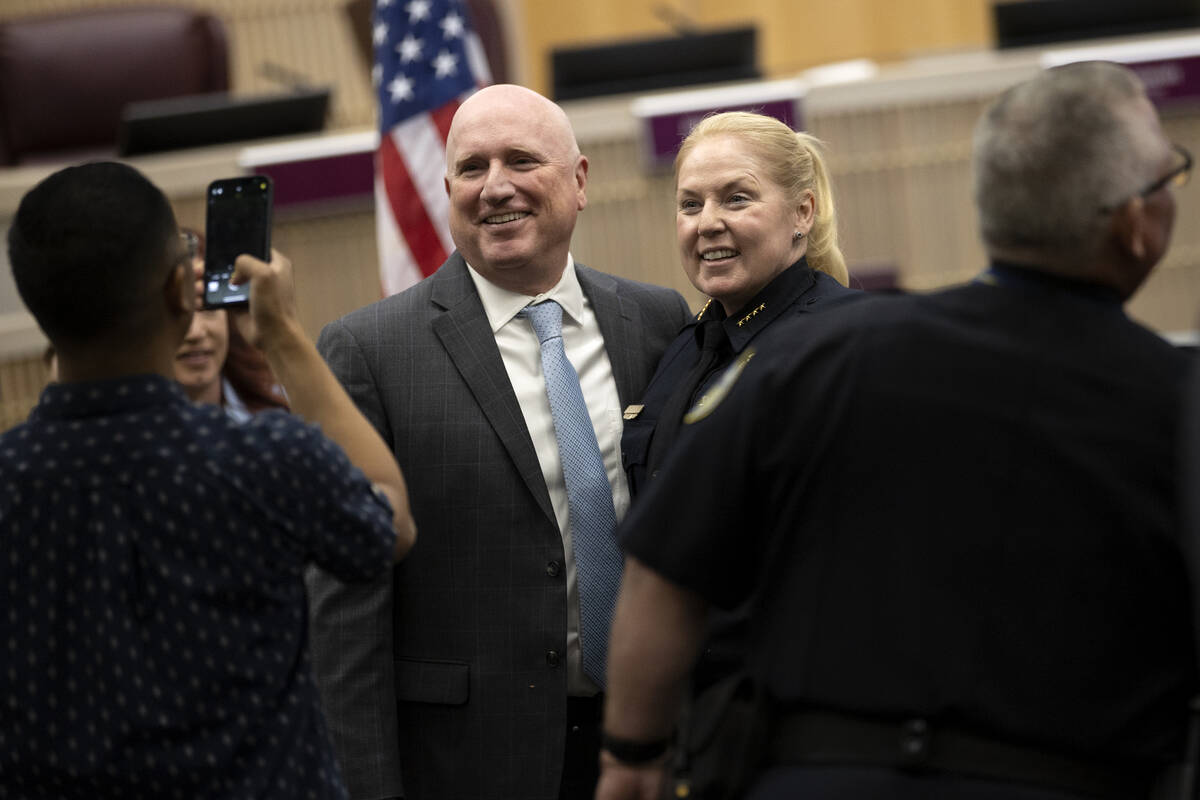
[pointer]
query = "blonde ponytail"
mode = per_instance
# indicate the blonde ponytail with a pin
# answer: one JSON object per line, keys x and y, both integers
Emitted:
{"x": 823, "y": 251}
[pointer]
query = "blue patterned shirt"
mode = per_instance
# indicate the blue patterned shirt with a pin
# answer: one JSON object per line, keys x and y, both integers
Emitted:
{"x": 153, "y": 621}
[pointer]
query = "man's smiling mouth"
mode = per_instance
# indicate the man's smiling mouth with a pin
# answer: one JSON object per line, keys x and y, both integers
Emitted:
{"x": 508, "y": 216}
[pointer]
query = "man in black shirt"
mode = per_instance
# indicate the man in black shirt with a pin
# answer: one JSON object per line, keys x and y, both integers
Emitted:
{"x": 958, "y": 512}
{"x": 155, "y": 621}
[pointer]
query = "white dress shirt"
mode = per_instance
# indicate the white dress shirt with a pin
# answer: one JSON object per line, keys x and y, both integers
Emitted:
{"x": 522, "y": 355}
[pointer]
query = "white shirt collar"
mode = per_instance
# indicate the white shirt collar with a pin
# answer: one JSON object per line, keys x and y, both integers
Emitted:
{"x": 234, "y": 406}
{"x": 501, "y": 305}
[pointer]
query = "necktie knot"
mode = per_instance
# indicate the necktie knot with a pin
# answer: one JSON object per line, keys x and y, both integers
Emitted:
{"x": 712, "y": 335}
{"x": 546, "y": 319}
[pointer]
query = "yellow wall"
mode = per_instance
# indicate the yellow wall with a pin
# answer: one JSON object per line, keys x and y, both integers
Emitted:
{"x": 793, "y": 34}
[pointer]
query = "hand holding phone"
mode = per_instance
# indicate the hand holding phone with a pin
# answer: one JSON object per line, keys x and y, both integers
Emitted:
{"x": 238, "y": 221}
{"x": 272, "y": 316}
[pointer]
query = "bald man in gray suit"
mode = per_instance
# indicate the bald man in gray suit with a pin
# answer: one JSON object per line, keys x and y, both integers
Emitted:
{"x": 460, "y": 676}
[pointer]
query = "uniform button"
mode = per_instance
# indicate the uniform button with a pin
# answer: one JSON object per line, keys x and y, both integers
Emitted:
{"x": 654, "y": 474}
{"x": 552, "y": 569}
{"x": 552, "y": 658}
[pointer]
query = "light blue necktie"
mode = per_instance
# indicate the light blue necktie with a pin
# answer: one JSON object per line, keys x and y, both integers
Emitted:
{"x": 589, "y": 495}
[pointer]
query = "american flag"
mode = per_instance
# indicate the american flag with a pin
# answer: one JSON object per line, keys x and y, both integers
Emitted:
{"x": 427, "y": 61}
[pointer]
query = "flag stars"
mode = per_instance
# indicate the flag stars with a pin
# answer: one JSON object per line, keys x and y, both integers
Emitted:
{"x": 401, "y": 89}
{"x": 417, "y": 11}
{"x": 445, "y": 65}
{"x": 376, "y": 74}
{"x": 380, "y": 33}
{"x": 452, "y": 26}
{"x": 409, "y": 49}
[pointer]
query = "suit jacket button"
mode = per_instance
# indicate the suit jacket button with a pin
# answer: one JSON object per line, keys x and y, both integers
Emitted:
{"x": 552, "y": 658}
{"x": 552, "y": 569}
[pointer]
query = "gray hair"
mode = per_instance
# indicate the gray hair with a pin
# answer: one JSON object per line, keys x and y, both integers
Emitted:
{"x": 1050, "y": 153}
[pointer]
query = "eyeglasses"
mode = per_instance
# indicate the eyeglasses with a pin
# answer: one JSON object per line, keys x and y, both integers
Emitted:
{"x": 1178, "y": 176}
{"x": 191, "y": 243}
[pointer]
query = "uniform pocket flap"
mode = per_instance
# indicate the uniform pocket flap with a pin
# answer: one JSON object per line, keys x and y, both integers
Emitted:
{"x": 424, "y": 681}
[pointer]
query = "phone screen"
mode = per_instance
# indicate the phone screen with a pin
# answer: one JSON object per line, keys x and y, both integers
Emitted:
{"x": 238, "y": 221}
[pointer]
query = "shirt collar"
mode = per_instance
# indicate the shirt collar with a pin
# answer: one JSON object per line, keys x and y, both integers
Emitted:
{"x": 233, "y": 404}
{"x": 775, "y": 298}
{"x": 501, "y": 305}
{"x": 101, "y": 398}
{"x": 1029, "y": 278}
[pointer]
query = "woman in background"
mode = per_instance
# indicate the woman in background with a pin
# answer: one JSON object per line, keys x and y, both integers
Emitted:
{"x": 216, "y": 365}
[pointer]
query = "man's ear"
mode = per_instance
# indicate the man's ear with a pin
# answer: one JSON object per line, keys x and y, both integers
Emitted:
{"x": 581, "y": 173}
{"x": 1128, "y": 228}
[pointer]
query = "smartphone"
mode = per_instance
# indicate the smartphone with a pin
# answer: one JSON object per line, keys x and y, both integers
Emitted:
{"x": 238, "y": 221}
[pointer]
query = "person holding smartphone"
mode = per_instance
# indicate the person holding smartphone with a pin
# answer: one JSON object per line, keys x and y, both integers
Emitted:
{"x": 155, "y": 613}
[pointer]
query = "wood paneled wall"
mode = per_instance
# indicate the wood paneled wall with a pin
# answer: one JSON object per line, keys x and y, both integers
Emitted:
{"x": 21, "y": 381}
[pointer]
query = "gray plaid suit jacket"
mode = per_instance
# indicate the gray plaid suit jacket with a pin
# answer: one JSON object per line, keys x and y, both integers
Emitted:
{"x": 435, "y": 680}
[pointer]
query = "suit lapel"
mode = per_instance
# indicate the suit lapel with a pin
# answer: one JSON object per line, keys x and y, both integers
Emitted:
{"x": 465, "y": 333}
{"x": 622, "y": 331}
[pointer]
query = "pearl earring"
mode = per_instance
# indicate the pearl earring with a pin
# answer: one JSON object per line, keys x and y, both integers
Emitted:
{"x": 798, "y": 235}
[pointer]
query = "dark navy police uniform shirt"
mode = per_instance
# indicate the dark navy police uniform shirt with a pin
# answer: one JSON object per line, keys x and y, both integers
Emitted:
{"x": 963, "y": 507}
{"x": 798, "y": 290}
{"x": 152, "y": 611}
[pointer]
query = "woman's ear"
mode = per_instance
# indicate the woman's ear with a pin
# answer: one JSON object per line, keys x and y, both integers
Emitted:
{"x": 806, "y": 212}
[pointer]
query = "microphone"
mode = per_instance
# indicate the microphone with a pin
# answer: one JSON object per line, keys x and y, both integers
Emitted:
{"x": 676, "y": 20}
{"x": 286, "y": 76}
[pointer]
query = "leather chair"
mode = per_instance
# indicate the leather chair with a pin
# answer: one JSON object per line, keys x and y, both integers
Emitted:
{"x": 64, "y": 79}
